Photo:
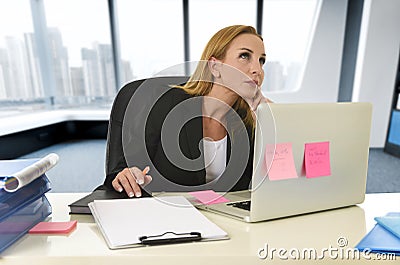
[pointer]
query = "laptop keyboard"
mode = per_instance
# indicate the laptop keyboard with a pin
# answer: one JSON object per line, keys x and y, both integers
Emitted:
{"x": 245, "y": 205}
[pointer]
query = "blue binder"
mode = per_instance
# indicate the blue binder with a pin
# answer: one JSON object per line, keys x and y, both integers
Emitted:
{"x": 9, "y": 167}
{"x": 16, "y": 225}
{"x": 11, "y": 202}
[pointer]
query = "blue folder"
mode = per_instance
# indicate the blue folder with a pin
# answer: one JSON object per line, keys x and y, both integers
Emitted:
{"x": 18, "y": 224}
{"x": 380, "y": 240}
{"x": 390, "y": 222}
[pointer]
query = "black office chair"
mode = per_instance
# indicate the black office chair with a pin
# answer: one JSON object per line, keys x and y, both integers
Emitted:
{"x": 114, "y": 149}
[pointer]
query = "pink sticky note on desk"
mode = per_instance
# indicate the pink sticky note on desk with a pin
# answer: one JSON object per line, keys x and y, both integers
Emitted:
{"x": 53, "y": 227}
{"x": 208, "y": 197}
{"x": 279, "y": 158}
{"x": 317, "y": 160}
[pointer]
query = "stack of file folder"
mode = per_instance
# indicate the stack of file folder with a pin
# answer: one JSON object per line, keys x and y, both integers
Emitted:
{"x": 384, "y": 237}
{"x": 23, "y": 208}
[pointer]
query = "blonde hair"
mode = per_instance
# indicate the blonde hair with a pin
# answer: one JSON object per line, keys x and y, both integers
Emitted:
{"x": 201, "y": 82}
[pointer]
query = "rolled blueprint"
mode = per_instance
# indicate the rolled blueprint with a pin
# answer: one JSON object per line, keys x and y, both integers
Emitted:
{"x": 30, "y": 173}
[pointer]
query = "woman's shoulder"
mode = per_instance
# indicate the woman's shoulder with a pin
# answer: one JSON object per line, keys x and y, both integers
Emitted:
{"x": 173, "y": 96}
{"x": 177, "y": 93}
{"x": 169, "y": 99}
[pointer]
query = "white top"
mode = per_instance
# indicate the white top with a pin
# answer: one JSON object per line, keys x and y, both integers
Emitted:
{"x": 214, "y": 158}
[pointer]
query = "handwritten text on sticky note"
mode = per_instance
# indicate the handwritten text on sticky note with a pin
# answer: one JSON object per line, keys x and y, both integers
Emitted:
{"x": 317, "y": 159}
{"x": 279, "y": 160}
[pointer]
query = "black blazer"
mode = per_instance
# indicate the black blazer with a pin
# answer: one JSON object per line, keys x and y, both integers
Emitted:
{"x": 164, "y": 129}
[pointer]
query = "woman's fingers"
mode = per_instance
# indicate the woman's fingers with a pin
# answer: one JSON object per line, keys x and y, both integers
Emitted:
{"x": 129, "y": 179}
{"x": 125, "y": 181}
{"x": 147, "y": 180}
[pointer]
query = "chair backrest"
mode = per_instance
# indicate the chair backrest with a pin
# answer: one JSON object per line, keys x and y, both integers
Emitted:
{"x": 114, "y": 148}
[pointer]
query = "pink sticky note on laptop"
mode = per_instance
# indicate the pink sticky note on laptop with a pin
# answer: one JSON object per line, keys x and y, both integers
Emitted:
{"x": 317, "y": 159}
{"x": 208, "y": 197}
{"x": 280, "y": 162}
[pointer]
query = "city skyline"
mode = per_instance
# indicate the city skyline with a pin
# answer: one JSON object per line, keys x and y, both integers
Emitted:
{"x": 21, "y": 77}
{"x": 145, "y": 54}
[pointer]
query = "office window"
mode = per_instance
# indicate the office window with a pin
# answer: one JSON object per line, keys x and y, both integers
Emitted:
{"x": 208, "y": 16}
{"x": 81, "y": 53}
{"x": 286, "y": 28}
{"x": 20, "y": 78}
{"x": 151, "y": 37}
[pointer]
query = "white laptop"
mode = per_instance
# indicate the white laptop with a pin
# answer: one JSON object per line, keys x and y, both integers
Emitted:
{"x": 341, "y": 129}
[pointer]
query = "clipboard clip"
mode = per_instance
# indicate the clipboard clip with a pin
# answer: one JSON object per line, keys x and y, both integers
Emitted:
{"x": 170, "y": 238}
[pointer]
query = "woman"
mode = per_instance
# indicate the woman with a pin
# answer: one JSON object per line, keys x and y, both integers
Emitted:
{"x": 215, "y": 152}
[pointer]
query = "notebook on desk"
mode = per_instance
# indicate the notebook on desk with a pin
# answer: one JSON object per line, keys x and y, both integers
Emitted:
{"x": 308, "y": 157}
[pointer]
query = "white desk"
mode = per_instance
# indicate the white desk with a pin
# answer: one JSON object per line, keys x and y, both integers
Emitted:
{"x": 18, "y": 122}
{"x": 85, "y": 245}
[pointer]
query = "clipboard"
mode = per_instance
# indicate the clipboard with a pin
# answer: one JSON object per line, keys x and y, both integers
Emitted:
{"x": 170, "y": 238}
{"x": 152, "y": 221}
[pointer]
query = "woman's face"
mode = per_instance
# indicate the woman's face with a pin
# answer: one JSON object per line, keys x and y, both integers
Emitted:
{"x": 242, "y": 68}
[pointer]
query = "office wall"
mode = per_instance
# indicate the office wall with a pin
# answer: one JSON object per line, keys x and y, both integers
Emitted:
{"x": 320, "y": 82}
{"x": 377, "y": 62}
{"x": 375, "y": 66}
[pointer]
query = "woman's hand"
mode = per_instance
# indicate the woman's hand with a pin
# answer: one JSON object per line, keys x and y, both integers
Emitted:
{"x": 257, "y": 99}
{"x": 131, "y": 180}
